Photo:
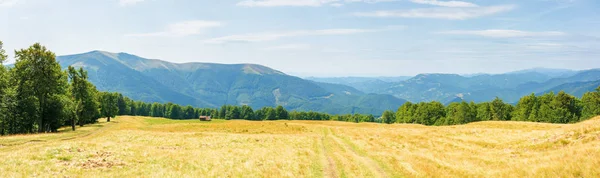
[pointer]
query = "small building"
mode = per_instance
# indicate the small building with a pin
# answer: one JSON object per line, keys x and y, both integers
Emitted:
{"x": 204, "y": 118}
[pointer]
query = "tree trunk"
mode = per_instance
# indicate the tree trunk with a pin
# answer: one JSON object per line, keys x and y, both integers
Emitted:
{"x": 108, "y": 120}
{"x": 73, "y": 124}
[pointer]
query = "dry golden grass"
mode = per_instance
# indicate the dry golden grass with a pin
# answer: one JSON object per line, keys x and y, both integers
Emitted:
{"x": 155, "y": 147}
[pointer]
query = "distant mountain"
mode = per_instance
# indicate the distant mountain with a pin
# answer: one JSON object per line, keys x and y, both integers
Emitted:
{"x": 549, "y": 72}
{"x": 576, "y": 88}
{"x": 483, "y": 87}
{"x": 364, "y": 84}
{"x": 212, "y": 85}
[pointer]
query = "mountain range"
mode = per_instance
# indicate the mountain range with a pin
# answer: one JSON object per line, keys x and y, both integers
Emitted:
{"x": 213, "y": 85}
{"x": 484, "y": 87}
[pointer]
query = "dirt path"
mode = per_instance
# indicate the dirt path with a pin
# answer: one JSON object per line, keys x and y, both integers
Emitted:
{"x": 364, "y": 159}
{"x": 331, "y": 168}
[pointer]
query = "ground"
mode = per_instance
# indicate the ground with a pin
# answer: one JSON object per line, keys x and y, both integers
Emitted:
{"x": 155, "y": 147}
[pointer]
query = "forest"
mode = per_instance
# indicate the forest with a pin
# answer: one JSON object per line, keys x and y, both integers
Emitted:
{"x": 37, "y": 96}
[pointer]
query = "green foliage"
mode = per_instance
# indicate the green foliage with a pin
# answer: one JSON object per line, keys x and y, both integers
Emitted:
{"x": 405, "y": 113}
{"x": 233, "y": 112}
{"x": 270, "y": 114}
{"x": 281, "y": 113}
{"x": 247, "y": 113}
{"x": 39, "y": 80}
{"x": 499, "y": 110}
{"x": 388, "y": 117}
{"x": 84, "y": 95}
{"x": 109, "y": 105}
{"x": 459, "y": 113}
{"x": 591, "y": 104}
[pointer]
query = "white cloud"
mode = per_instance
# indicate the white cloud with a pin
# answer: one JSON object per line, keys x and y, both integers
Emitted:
{"x": 441, "y": 12}
{"x": 445, "y": 3}
{"x": 129, "y": 2}
{"x": 337, "y": 5}
{"x": 8, "y": 3}
{"x": 185, "y": 28}
{"x": 287, "y": 47}
{"x": 258, "y": 37}
{"x": 504, "y": 33}
{"x": 273, "y": 3}
{"x": 311, "y": 3}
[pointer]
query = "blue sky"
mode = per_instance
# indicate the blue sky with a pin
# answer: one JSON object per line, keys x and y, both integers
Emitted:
{"x": 320, "y": 37}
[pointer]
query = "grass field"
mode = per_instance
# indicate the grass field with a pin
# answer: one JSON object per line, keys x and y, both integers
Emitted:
{"x": 154, "y": 147}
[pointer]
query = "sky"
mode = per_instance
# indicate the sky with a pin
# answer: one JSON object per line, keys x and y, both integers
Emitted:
{"x": 323, "y": 38}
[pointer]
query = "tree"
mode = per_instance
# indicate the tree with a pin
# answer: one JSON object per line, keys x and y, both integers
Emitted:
{"x": 405, "y": 113}
{"x": 281, "y": 113}
{"x": 247, "y": 113}
{"x": 173, "y": 112}
{"x": 109, "y": 105}
{"x": 122, "y": 105}
{"x": 388, "y": 117}
{"x": 591, "y": 104}
{"x": 189, "y": 112}
{"x": 499, "y": 110}
{"x": 484, "y": 112}
{"x": 39, "y": 79}
{"x": 564, "y": 108}
{"x": 4, "y": 94}
{"x": 270, "y": 114}
{"x": 84, "y": 95}
{"x": 524, "y": 108}
{"x": 222, "y": 112}
{"x": 233, "y": 112}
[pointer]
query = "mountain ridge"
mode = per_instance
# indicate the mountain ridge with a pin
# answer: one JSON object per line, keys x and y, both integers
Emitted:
{"x": 213, "y": 85}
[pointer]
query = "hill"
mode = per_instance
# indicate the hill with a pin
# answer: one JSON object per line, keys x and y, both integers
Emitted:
{"x": 213, "y": 85}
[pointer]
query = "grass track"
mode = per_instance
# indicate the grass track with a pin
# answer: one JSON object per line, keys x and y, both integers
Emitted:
{"x": 155, "y": 147}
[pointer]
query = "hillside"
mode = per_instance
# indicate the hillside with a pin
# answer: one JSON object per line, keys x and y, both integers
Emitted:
{"x": 158, "y": 147}
{"x": 212, "y": 85}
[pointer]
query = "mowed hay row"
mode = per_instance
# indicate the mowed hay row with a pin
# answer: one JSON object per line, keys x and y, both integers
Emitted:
{"x": 156, "y": 147}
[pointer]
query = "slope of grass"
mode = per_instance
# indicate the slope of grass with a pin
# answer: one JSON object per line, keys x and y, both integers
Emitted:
{"x": 156, "y": 147}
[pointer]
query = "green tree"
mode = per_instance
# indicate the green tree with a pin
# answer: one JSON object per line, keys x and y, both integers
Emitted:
{"x": 189, "y": 113}
{"x": 405, "y": 113}
{"x": 525, "y": 107}
{"x": 39, "y": 80}
{"x": 222, "y": 112}
{"x": 484, "y": 112}
{"x": 247, "y": 113}
{"x": 499, "y": 110}
{"x": 564, "y": 108}
{"x": 388, "y": 117}
{"x": 109, "y": 105}
{"x": 122, "y": 105}
{"x": 270, "y": 114}
{"x": 591, "y": 104}
{"x": 173, "y": 112}
{"x": 5, "y": 99}
{"x": 429, "y": 113}
{"x": 233, "y": 112}
{"x": 281, "y": 113}
{"x": 84, "y": 95}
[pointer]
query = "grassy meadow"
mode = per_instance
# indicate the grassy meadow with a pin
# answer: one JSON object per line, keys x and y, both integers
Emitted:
{"x": 155, "y": 147}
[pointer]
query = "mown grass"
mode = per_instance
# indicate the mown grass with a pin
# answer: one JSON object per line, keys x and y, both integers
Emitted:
{"x": 156, "y": 147}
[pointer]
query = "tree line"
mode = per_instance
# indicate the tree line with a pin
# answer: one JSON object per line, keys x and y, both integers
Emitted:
{"x": 549, "y": 108}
